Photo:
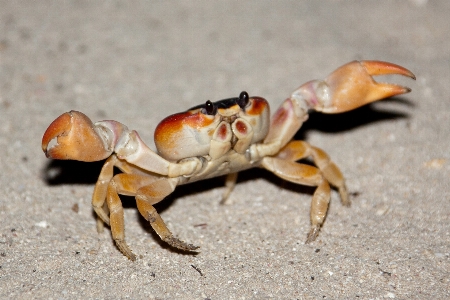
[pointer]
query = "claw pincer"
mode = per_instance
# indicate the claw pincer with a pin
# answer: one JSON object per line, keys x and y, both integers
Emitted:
{"x": 214, "y": 139}
{"x": 76, "y": 138}
{"x": 352, "y": 86}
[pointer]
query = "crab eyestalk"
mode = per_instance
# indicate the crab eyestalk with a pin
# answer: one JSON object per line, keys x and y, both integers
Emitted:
{"x": 77, "y": 138}
{"x": 352, "y": 86}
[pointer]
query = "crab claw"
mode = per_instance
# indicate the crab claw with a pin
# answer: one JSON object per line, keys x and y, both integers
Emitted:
{"x": 352, "y": 86}
{"x": 77, "y": 138}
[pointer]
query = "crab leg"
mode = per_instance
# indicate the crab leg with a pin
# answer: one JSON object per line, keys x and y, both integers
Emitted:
{"x": 305, "y": 175}
{"x": 108, "y": 188}
{"x": 230, "y": 183}
{"x": 347, "y": 88}
{"x": 148, "y": 190}
{"x": 151, "y": 194}
{"x": 116, "y": 219}
{"x": 297, "y": 150}
{"x": 100, "y": 190}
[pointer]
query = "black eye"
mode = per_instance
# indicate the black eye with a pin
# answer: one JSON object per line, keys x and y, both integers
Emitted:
{"x": 209, "y": 109}
{"x": 243, "y": 100}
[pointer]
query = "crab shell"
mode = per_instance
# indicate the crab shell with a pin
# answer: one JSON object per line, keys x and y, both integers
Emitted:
{"x": 194, "y": 132}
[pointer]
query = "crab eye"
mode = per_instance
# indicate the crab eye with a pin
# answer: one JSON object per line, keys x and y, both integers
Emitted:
{"x": 210, "y": 108}
{"x": 243, "y": 100}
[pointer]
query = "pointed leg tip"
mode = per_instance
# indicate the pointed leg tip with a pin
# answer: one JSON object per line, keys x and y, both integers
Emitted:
{"x": 193, "y": 247}
{"x": 123, "y": 247}
{"x": 312, "y": 234}
{"x": 179, "y": 244}
{"x": 225, "y": 201}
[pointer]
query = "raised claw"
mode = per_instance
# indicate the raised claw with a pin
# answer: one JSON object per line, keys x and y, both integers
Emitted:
{"x": 352, "y": 86}
{"x": 76, "y": 138}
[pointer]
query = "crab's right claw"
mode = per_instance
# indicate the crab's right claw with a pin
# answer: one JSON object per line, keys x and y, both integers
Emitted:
{"x": 76, "y": 137}
{"x": 352, "y": 86}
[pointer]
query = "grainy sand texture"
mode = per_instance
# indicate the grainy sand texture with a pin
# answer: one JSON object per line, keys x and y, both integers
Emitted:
{"x": 139, "y": 61}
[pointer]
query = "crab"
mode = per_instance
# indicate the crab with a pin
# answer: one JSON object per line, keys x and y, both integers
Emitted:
{"x": 215, "y": 139}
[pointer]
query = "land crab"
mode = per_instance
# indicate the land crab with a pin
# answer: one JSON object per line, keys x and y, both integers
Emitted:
{"x": 214, "y": 139}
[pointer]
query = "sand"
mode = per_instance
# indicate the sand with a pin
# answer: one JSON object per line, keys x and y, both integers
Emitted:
{"x": 139, "y": 61}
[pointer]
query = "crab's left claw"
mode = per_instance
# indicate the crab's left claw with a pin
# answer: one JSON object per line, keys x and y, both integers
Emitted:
{"x": 352, "y": 86}
{"x": 73, "y": 136}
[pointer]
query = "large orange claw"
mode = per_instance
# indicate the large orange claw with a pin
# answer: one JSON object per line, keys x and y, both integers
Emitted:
{"x": 76, "y": 138}
{"x": 352, "y": 85}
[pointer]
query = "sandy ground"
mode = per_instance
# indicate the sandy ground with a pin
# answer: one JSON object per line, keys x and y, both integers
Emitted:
{"x": 139, "y": 61}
